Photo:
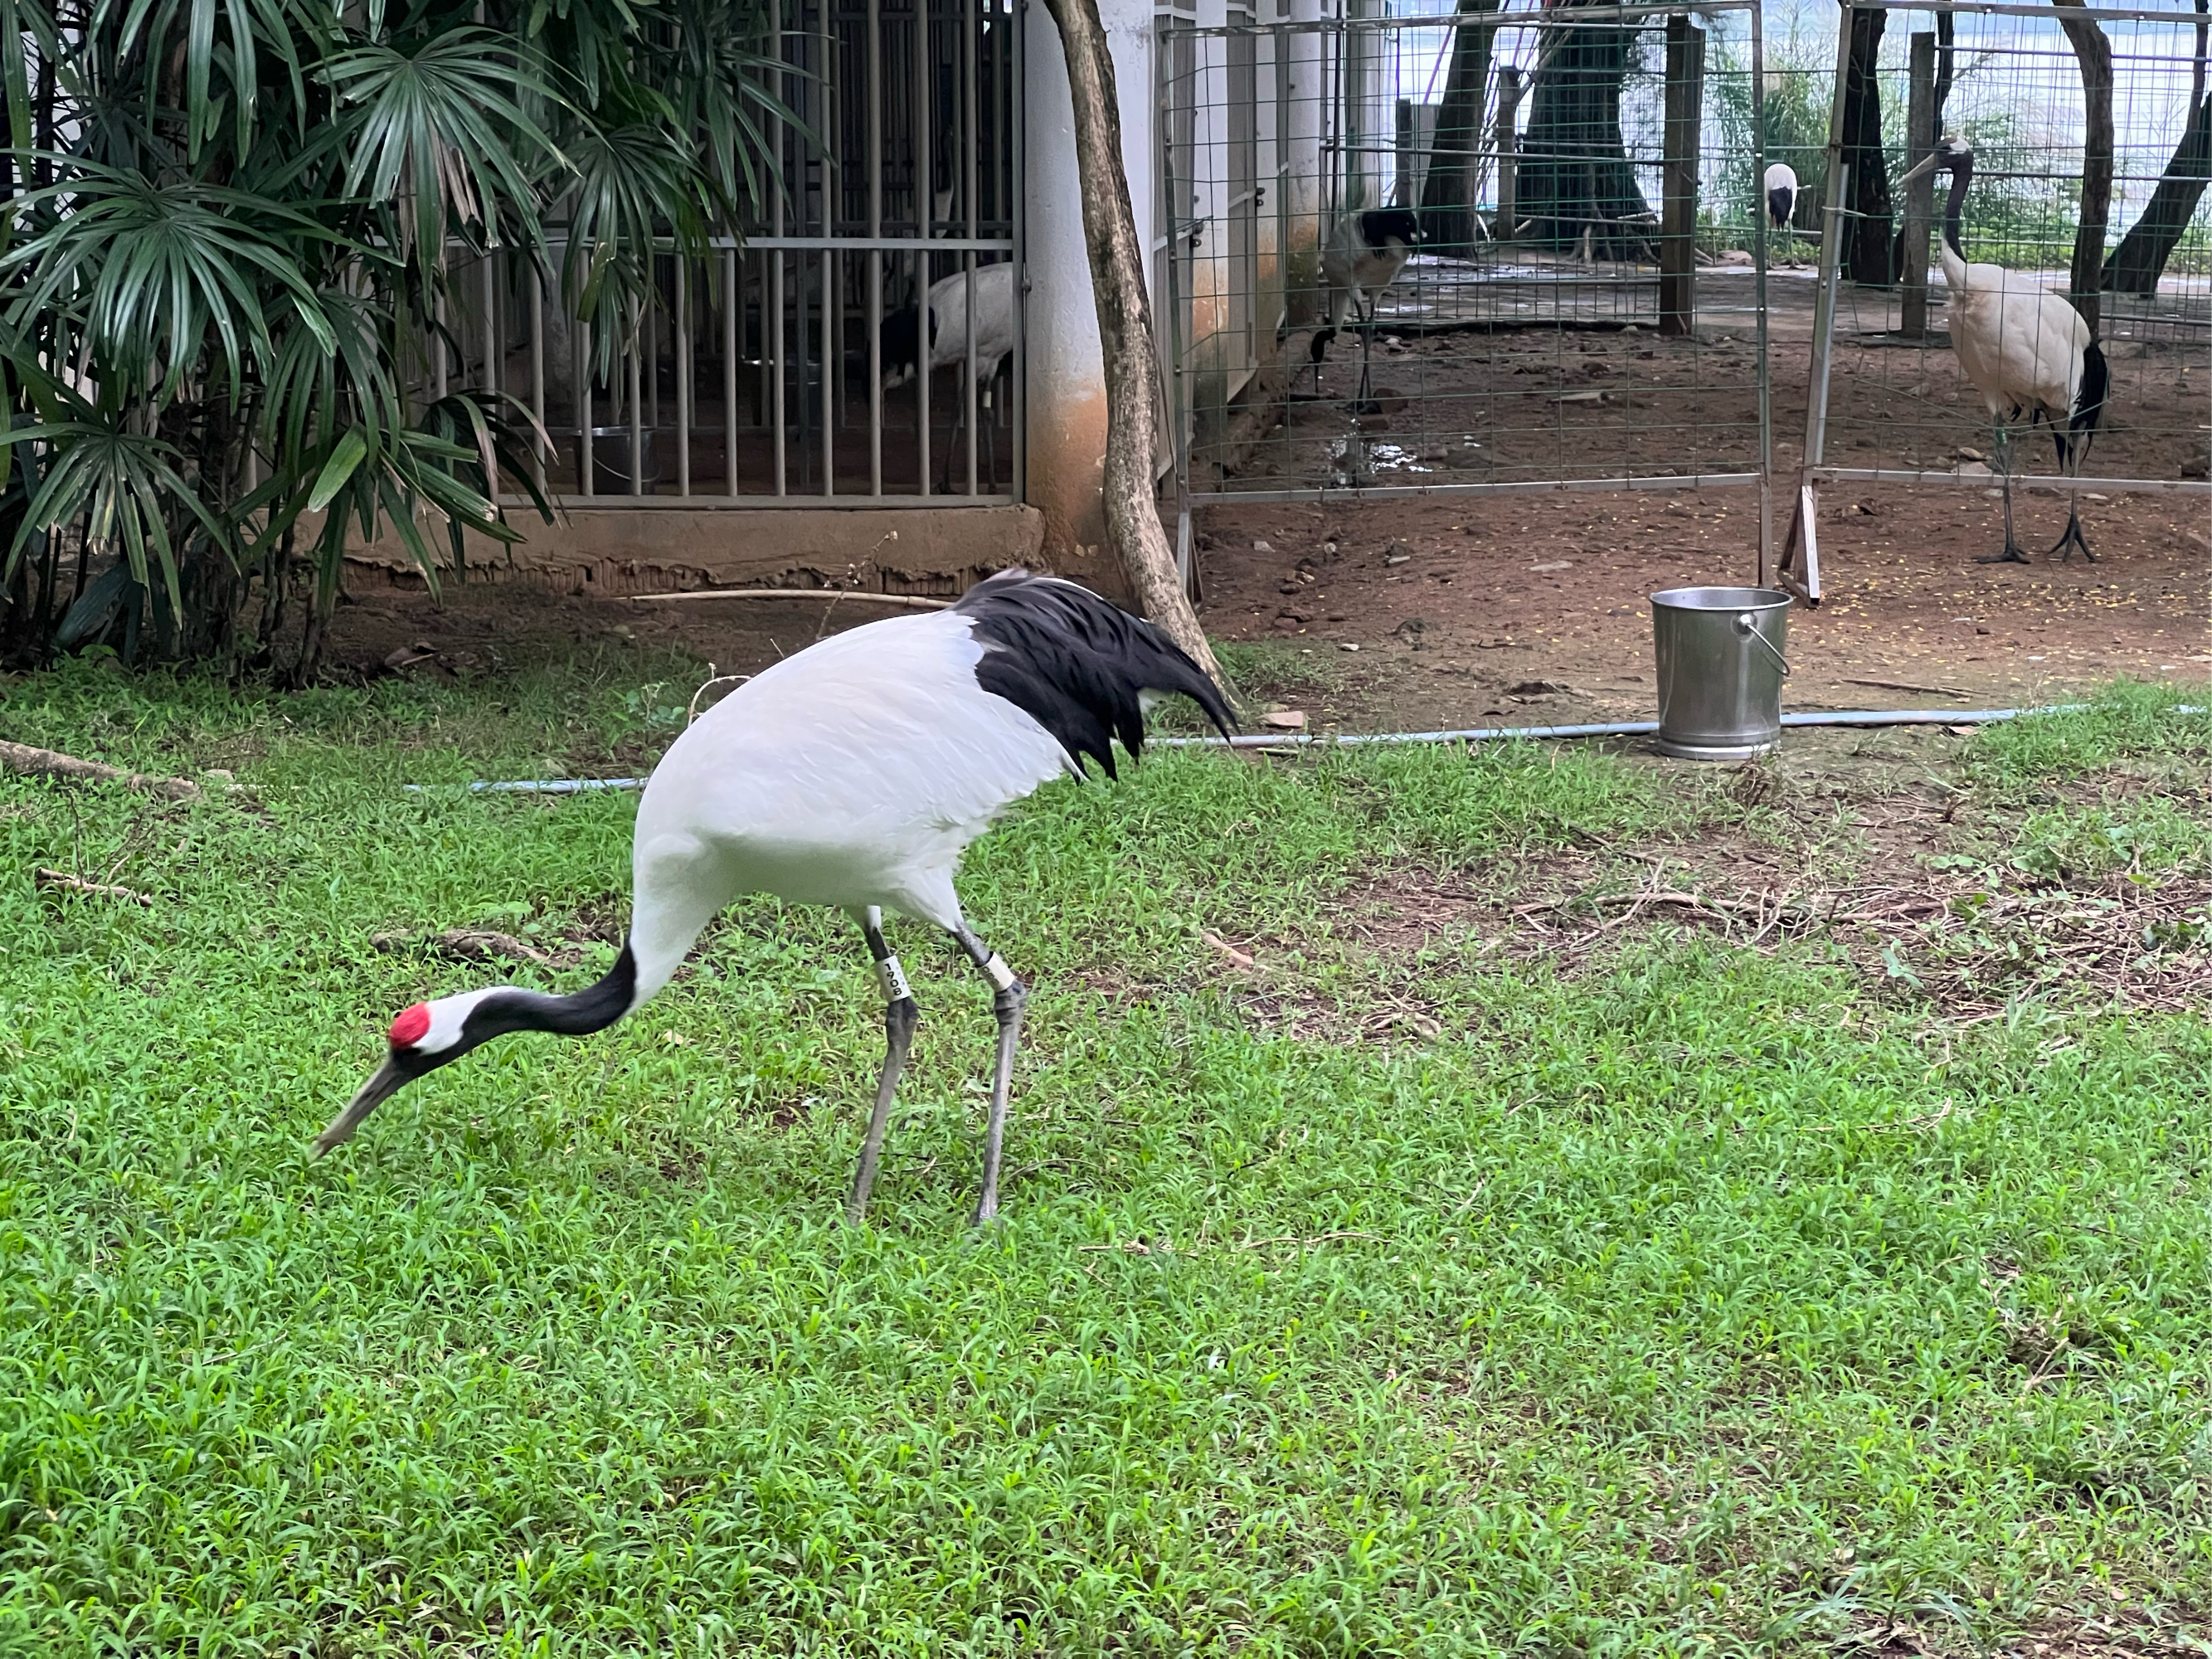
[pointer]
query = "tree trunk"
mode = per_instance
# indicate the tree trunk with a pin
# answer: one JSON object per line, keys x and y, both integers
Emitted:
{"x": 2095, "y": 52}
{"x": 1574, "y": 171}
{"x": 2140, "y": 260}
{"x": 1448, "y": 196}
{"x": 1124, "y": 332}
{"x": 1869, "y": 240}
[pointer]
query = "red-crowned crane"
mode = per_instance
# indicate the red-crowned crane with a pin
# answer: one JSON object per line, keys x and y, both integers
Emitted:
{"x": 2025, "y": 349}
{"x": 991, "y": 294}
{"x": 1781, "y": 195}
{"x": 1365, "y": 253}
{"x": 854, "y": 773}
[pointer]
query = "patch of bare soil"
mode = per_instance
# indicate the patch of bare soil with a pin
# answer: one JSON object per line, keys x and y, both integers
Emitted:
{"x": 1903, "y": 875}
{"x": 1970, "y": 943}
{"x": 1525, "y": 610}
{"x": 489, "y": 627}
{"x": 1444, "y": 611}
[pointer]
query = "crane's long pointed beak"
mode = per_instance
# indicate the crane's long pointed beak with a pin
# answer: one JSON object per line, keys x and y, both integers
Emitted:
{"x": 1926, "y": 165}
{"x": 387, "y": 1082}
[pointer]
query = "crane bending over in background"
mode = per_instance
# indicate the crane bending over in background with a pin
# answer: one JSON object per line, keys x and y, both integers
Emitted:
{"x": 947, "y": 306}
{"x": 2025, "y": 349}
{"x": 854, "y": 773}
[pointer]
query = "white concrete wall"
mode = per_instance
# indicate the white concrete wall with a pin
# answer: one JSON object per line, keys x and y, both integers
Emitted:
{"x": 1066, "y": 385}
{"x": 1302, "y": 123}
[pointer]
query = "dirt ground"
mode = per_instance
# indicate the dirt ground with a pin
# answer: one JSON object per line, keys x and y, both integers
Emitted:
{"x": 1445, "y": 610}
{"x": 1442, "y": 610}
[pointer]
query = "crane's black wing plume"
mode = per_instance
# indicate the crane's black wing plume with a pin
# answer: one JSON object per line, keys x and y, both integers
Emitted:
{"x": 1076, "y": 664}
{"x": 2089, "y": 399}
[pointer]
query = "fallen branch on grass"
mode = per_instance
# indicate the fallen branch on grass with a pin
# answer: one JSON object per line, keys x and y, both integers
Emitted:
{"x": 1762, "y": 909}
{"x": 20, "y": 757}
{"x": 1907, "y": 685}
{"x": 1166, "y": 1247}
{"x": 466, "y": 944}
{"x": 903, "y": 601}
{"x": 1236, "y": 958}
{"x": 62, "y": 881}
{"x": 1293, "y": 1238}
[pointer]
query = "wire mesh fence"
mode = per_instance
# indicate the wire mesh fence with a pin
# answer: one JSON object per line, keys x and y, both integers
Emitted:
{"x": 1472, "y": 251}
{"x": 2018, "y": 294}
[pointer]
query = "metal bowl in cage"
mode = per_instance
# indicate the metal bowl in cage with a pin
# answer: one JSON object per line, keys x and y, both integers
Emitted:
{"x": 610, "y": 450}
{"x": 1721, "y": 664}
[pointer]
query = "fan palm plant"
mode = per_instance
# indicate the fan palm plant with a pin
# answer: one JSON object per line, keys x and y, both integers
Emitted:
{"x": 232, "y": 229}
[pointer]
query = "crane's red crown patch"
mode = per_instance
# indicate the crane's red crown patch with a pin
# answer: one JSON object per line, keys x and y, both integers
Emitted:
{"x": 411, "y": 1025}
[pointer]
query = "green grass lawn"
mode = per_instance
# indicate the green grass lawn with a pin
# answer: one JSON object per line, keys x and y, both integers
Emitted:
{"x": 1670, "y": 1291}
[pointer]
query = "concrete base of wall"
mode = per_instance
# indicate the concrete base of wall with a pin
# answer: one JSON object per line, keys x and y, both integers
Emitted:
{"x": 613, "y": 552}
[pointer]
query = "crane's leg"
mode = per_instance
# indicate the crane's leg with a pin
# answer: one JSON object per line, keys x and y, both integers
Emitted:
{"x": 901, "y": 1015}
{"x": 2065, "y": 544}
{"x": 959, "y": 414}
{"x": 1010, "y": 996}
{"x": 1365, "y": 403}
{"x": 2012, "y": 554}
{"x": 991, "y": 436}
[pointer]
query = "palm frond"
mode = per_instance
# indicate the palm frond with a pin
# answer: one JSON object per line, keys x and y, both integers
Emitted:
{"x": 435, "y": 130}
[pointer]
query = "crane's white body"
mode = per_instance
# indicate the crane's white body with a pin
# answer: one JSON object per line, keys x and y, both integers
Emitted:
{"x": 2024, "y": 348}
{"x": 947, "y": 340}
{"x": 2019, "y": 344}
{"x": 1357, "y": 270}
{"x": 855, "y": 774}
{"x": 1781, "y": 194}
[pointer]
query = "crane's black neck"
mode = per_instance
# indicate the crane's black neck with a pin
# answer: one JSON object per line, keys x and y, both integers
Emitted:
{"x": 592, "y": 1009}
{"x": 1954, "y": 209}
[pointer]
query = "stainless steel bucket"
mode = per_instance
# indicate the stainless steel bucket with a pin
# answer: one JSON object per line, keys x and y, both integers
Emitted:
{"x": 1721, "y": 664}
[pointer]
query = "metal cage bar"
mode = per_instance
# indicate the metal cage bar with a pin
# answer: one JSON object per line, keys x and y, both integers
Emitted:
{"x": 766, "y": 355}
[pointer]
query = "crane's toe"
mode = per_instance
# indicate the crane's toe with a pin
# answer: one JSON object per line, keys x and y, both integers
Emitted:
{"x": 2065, "y": 544}
{"x": 2010, "y": 556}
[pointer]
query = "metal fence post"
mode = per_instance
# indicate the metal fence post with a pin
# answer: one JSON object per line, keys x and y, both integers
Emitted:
{"x": 1800, "y": 570}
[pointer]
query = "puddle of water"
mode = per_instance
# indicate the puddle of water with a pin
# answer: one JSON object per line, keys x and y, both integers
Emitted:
{"x": 1396, "y": 459}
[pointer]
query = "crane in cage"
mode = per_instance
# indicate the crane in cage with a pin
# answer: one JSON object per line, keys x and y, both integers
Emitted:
{"x": 989, "y": 293}
{"x": 2026, "y": 349}
{"x": 1781, "y": 195}
{"x": 1365, "y": 253}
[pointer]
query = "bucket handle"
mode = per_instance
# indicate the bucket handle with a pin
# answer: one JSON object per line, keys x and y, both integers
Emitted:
{"x": 1749, "y": 628}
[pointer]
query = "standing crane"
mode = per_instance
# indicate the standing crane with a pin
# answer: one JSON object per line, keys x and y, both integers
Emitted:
{"x": 2025, "y": 349}
{"x": 1781, "y": 195}
{"x": 854, "y": 773}
{"x": 1365, "y": 253}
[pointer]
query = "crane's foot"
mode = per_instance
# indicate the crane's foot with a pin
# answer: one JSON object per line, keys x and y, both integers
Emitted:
{"x": 1366, "y": 409}
{"x": 2012, "y": 555}
{"x": 2065, "y": 544}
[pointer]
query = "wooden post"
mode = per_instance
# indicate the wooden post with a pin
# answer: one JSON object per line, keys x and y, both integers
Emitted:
{"x": 1920, "y": 198}
{"x": 1677, "y": 237}
{"x": 1509, "y": 88}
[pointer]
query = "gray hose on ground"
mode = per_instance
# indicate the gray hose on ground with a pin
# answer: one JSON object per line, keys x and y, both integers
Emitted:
{"x": 1473, "y": 734}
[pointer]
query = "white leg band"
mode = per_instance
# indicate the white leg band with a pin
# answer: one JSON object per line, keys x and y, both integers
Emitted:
{"x": 1001, "y": 975}
{"x": 892, "y": 978}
